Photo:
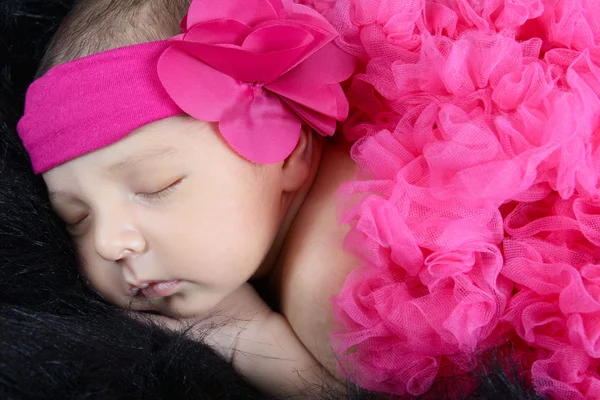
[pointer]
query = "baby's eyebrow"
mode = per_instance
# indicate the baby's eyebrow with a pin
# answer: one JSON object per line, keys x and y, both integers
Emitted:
{"x": 141, "y": 157}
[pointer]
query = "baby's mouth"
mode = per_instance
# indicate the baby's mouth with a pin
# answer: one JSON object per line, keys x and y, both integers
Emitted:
{"x": 156, "y": 289}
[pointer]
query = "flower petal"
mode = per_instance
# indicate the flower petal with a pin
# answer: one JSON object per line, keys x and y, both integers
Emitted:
{"x": 287, "y": 6}
{"x": 183, "y": 25}
{"x": 321, "y": 99}
{"x": 276, "y": 38}
{"x": 320, "y": 37}
{"x": 260, "y": 127}
{"x": 240, "y": 10}
{"x": 321, "y": 123}
{"x": 241, "y": 64}
{"x": 199, "y": 90}
{"x": 334, "y": 64}
{"x": 311, "y": 82}
{"x": 219, "y": 32}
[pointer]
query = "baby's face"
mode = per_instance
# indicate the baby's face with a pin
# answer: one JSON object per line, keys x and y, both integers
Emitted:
{"x": 169, "y": 218}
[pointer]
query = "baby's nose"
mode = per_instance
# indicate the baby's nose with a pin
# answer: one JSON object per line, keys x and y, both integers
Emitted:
{"x": 114, "y": 242}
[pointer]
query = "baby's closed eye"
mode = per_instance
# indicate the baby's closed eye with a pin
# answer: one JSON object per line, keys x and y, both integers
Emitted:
{"x": 159, "y": 194}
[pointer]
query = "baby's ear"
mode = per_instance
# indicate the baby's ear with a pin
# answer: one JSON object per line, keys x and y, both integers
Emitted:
{"x": 297, "y": 167}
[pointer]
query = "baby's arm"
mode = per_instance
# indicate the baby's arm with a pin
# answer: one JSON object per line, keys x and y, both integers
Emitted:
{"x": 263, "y": 347}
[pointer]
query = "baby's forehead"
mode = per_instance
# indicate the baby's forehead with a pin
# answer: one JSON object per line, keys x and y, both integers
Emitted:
{"x": 158, "y": 145}
{"x": 159, "y": 139}
{"x": 143, "y": 157}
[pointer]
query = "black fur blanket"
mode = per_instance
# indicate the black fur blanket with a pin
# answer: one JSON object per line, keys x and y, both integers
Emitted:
{"x": 57, "y": 340}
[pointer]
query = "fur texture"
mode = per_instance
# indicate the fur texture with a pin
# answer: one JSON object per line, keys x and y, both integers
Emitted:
{"x": 58, "y": 339}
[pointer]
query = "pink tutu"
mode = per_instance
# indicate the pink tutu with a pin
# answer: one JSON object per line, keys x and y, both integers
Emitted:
{"x": 476, "y": 213}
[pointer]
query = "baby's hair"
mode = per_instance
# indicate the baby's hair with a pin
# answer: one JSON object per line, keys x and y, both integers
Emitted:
{"x": 94, "y": 26}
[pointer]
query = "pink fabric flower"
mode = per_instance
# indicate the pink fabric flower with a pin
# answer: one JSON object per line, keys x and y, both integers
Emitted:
{"x": 260, "y": 70}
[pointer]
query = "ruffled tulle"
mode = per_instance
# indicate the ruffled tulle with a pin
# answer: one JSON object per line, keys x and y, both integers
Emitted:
{"x": 476, "y": 213}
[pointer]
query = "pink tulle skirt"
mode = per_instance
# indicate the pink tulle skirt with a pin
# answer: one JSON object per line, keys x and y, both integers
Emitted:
{"x": 476, "y": 213}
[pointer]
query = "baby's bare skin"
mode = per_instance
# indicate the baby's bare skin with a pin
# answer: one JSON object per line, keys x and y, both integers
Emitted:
{"x": 201, "y": 232}
{"x": 290, "y": 354}
{"x": 313, "y": 265}
{"x": 261, "y": 345}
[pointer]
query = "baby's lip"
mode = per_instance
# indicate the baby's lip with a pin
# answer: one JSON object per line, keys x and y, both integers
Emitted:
{"x": 134, "y": 289}
{"x": 161, "y": 289}
{"x": 155, "y": 289}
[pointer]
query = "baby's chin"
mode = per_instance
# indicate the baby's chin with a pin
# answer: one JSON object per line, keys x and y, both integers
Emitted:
{"x": 183, "y": 305}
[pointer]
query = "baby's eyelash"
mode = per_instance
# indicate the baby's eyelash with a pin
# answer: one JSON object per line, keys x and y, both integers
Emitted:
{"x": 72, "y": 227}
{"x": 160, "y": 194}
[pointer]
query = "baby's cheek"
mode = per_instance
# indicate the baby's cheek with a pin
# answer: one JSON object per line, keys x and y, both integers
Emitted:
{"x": 107, "y": 285}
{"x": 100, "y": 275}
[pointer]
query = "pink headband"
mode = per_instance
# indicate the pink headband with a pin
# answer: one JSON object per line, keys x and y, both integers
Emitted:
{"x": 259, "y": 71}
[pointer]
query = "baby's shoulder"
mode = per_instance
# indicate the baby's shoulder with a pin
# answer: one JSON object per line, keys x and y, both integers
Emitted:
{"x": 313, "y": 265}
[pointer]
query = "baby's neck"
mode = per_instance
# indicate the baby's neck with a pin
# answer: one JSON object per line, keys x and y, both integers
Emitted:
{"x": 331, "y": 166}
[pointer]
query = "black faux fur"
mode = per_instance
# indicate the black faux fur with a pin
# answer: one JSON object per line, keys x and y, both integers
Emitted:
{"x": 57, "y": 339}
